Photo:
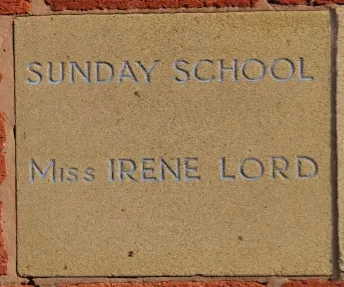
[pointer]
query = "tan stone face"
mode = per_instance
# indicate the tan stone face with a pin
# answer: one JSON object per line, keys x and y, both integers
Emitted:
{"x": 174, "y": 144}
{"x": 340, "y": 125}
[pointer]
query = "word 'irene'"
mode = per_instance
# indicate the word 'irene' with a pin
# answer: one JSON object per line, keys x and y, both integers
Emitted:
{"x": 177, "y": 169}
{"x": 183, "y": 71}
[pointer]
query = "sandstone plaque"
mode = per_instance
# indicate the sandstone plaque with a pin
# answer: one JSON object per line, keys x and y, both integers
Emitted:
{"x": 174, "y": 144}
{"x": 340, "y": 125}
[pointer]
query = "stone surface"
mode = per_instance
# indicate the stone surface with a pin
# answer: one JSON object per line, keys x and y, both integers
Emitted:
{"x": 60, "y": 5}
{"x": 172, "y": 284}
{"x": 9, "y": 7}
{"x": 323, "y": 2}
{"x": 340, "y": 131}
{"x": 79, "y": 219}
{"x": 57, "y": 281}
{"x": 313, "y": 283}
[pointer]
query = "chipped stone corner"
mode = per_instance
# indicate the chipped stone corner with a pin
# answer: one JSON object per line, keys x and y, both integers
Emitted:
{"x": 40, "y": 7}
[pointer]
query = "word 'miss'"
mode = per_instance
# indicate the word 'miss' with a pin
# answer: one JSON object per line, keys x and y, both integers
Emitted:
{"x": 53, "y": 173}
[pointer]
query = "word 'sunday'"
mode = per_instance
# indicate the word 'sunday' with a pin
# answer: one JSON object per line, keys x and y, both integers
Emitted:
{"x": 202, "y": 71}
{"x": 178, "y": 169}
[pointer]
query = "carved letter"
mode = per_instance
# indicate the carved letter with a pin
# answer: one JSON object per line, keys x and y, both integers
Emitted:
{"x": 179, "y": 69}
{"x": 97, "y": 69}
{"x": 148, "y": 71}
{"x": 223, "y": 176}
{"x": 30, "y": 67}
{"x": 42, "y": 174}
{"x": 303, "y": 160}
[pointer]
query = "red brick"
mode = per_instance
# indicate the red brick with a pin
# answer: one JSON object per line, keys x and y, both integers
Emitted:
{"x": 3, "y": 168}
{"x": 2, "y": 131}
{"x": 313, "y": 283}
{"x": 60, "y": 5}
{"x": 3, "y": 251}
{"x": 172, "y": 284}
{"x": 290, "y": 2}
{"x": 8, "y": 7}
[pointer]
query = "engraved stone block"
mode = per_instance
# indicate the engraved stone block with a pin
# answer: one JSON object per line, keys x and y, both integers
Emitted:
{"x": 174, "y": 144}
